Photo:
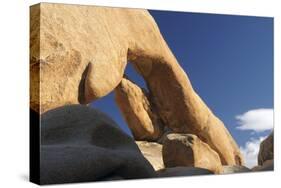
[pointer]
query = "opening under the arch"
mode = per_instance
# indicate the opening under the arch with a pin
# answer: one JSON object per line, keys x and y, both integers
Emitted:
{"x": 108, "y": 106}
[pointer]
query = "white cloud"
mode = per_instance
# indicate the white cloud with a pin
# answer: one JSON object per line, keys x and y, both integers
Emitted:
{"x": 250, "y": 151}
{"x": 257, "y": 120}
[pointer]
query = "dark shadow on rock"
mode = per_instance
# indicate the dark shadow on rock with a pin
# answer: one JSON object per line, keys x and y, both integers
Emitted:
{"x": 81, "y": 87}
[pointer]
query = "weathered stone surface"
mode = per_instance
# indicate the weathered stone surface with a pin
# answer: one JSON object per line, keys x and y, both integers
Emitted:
{"x": 234, "y": 169}
{"x": 138, "y": 111}
{"x": 182, "y": 171}
{"x": 266, "y": 155}
{"x": 164, "y": 135}
{"x": 83, "y": 50}
{"x": 82, "y": 57}
{"x": 266, "y": 150}
{"x": 189, "y": 150}
{"x": 266, "y": 166}
{"x": 79, "y": 143}
{"x": 152, "y": 152}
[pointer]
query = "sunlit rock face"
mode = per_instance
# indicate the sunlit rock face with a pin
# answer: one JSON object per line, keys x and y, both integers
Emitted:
{"x": 138, "y": 111}
{"x": 188, "y": 150}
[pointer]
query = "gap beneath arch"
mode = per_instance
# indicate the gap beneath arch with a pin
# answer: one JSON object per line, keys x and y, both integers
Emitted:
{"x": 134, "y": 76}
{"x": 108, "y": 105}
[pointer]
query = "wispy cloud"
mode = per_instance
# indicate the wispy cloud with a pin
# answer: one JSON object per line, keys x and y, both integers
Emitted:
{"x": 250, "y": 151}
{"x": 256, "y": 120}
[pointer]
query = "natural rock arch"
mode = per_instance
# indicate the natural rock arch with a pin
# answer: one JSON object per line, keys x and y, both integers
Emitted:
{"x": 88, "y": 47}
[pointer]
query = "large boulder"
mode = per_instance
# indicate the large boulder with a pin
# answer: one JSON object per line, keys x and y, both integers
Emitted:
{"x": 182, "y": 171}
{"x": 188, "y": 150}
{"x": 79, "y": 53}
{"x": 80, "y": 144}
{"x": 266, "y": 151}
{"x": 138, "y": 111}
{"x": 152, "y": 151}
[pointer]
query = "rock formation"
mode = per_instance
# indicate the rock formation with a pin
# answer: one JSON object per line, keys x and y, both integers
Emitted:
{"x": 79, "y": 143}
{"x": 152, "y": 152}
{"x": 266, "y": 150}
{"x": 266, "y": 155}
{"x": 189, "y": 150}
{"x": 79, "y": 53}
{"x": 268, "y": 165}
{"x": 138, "y": 111}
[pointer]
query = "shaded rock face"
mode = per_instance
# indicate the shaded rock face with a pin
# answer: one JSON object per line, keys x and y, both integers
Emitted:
{"x": 138, "y": 111}
{"x": 82, "y": 144}
{"x": 82, "y": 54}
{"x": 182, "y": 171}
{"x": 266, "y": 150}
{"x": 189, "y": 150}
{"x": 266, "y": 155}
{"x": 152, "y": 152}
{"x": 268, "y": 165}
{"x": 164, "y": 135}
{"x": 234, "y": 169}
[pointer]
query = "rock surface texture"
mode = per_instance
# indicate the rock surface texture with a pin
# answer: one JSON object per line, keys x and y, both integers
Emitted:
{"x": 266, "y": 155}
{"x": 189, "y": 150}
{"x": 79, "y": 53}
{"x": 138, "y": 111}
{"x": 234, "y": 169}
{"x": 80, "y": 144}
{"x": 182, "y": 171}
{"x": 266, "y": 150}
{"x": 266, "y": 166}
{"x": 152, "y": 152}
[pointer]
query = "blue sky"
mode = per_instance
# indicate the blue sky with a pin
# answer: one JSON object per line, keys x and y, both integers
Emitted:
{"x": 229, "y": 60}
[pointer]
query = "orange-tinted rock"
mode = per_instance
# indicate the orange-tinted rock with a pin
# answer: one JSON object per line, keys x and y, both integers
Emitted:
{"x": 138, "y": 111}
{"x": 189, "y": 150}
